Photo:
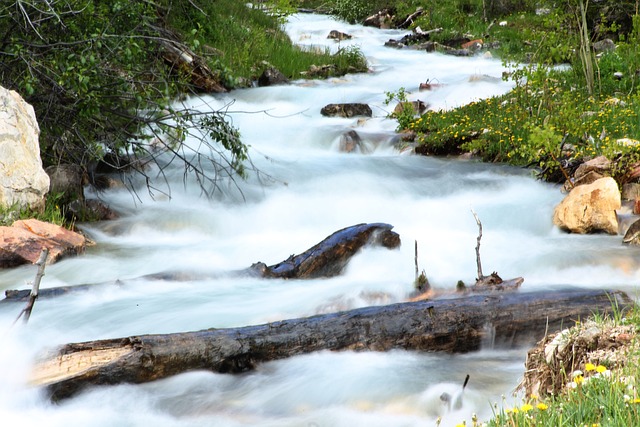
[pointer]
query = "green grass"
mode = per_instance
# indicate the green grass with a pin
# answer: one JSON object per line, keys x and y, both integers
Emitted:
{"x": 241, "y": 42}
{"x": 53, "y": 212}
{"x": 594, "y": 395}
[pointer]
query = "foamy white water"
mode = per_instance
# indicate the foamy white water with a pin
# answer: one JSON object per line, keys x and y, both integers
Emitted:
{"x": 313, "y": 190}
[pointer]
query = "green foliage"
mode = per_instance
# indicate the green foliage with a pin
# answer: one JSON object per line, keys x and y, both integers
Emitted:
{"x": 602, "y": 393}
{"x": 241, "y": 42}
{"x": 404, "y": 116}
{"x": 53, "y": 212}
{"x": 219, "y": 130}
{"x": 544, "y": 122}
{"x": 550, "y": 121}
{"x": 102, "y": 81}
{"x": 354, "y": 11}
{"x": 96, "y": 75}
{"x": 351, "y": 10}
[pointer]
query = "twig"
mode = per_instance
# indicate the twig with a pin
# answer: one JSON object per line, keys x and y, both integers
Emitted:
{"x": 416, "y": 259}
{"x": 480, "y": 275}
{"x": 41, "y": 263}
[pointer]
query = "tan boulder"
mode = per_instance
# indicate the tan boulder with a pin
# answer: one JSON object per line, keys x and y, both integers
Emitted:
{"x": 25, "y": 239}
{"x": 590, "y": 208}
{"x": 23, "y": 181}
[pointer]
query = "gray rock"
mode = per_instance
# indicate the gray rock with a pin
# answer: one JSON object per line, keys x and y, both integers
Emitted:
{"x": 346, "y": 110}
{"x": 272, "y": 76}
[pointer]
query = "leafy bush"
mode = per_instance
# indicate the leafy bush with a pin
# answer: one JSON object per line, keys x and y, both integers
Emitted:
{"x": 104, "y": 86}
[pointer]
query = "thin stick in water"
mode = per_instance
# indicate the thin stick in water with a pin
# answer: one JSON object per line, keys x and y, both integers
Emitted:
{"x": 41, "y": 263}
{"x": 480, "y": 275}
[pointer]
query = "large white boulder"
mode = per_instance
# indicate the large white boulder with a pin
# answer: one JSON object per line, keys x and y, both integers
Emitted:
{"x": 590, "y": 208}
{"x": 23, "y": 181}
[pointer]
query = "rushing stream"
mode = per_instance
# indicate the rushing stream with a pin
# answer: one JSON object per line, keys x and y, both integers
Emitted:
{"x": 309, "y": 190}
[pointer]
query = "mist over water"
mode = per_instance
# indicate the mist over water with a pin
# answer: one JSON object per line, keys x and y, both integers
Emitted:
{"x": 305, "y": 191}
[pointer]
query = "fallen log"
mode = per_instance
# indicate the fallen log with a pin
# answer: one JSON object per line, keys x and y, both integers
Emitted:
{"x": 448, "y": 325}
{"x": 326, "y": 259}
{"x": 329, "y": 257}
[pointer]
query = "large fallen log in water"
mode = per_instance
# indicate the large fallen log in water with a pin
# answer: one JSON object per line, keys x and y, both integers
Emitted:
{"x": 449, "y": 325}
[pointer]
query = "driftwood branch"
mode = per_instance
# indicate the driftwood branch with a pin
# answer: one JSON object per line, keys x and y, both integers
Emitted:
{"x": 448, "y": 325}
{"x": 41, "y": 263}
{"x": 478, "y": 262}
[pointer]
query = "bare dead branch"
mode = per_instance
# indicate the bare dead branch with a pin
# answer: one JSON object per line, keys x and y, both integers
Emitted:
{"x": 42, "y": 261}
{"x": 478, "y": 262}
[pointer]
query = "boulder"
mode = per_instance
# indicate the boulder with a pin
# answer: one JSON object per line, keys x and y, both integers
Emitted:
{"x": 25, "y": 239}
{"x": 605, "y": 45}
{"x": 590, "y": 208}
{"x": 351, "y": 142}
{"x": 588, "y": 178}
{"x": 589, "y": 172}
{"x": 346, "y": 110}
{"x": 91, "y": 210}
{"x": 632, "y": 235}
{"x": 473, "y": 44}
{"x": 600, "y": 164}
{"x": 415, "y": 107}
{"x": 338, "y": 35}
{"x": 631, "y": 191}
{"x": 272, "y": 76}
{"x": 23, "y": 181}
{"x": 66, "y": 182}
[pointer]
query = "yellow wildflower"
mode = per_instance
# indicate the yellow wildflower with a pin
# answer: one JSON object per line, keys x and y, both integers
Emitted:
{"x": 600, "y": 369}
{"x": 526, "y": 407}
{"x": 542, "y": 406}
{"x": 589, "y": 367}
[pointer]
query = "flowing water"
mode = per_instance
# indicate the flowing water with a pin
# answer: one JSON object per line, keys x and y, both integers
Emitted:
{"x": 307, "y": 190}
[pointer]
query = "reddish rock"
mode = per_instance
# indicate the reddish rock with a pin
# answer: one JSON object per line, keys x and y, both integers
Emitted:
{"x": 25, "y": 239}
{"x": 473, "y": 44}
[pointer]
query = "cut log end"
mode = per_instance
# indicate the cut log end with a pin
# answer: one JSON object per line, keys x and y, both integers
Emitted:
{"x": 66, "y": 366}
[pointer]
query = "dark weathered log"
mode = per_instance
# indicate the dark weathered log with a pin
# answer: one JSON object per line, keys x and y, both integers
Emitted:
{"x": 326, "y": 259}
{"x": 329, "y": 257}
{"x": 14, "y": 295}
{"x": 450, "y": 325}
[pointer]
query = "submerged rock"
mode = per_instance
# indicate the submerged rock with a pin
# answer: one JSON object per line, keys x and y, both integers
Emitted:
{"x": 338, "y": 35}
{"x": 346, "y": 110}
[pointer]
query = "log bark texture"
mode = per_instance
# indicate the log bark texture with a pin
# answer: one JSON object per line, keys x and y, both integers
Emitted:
{"x": 448, "y": 325}
{"x": 329, "y": 257}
